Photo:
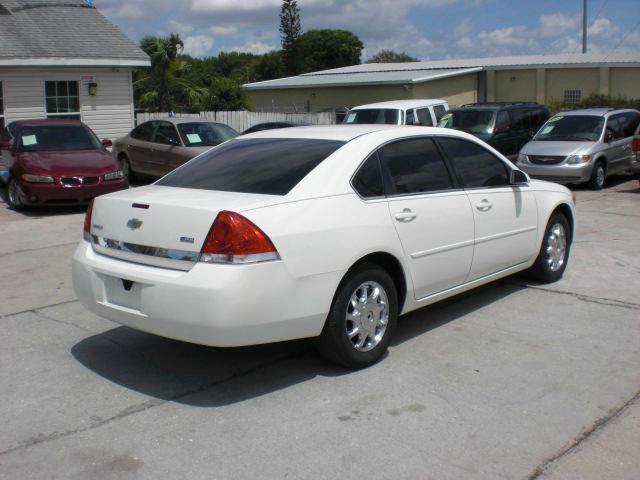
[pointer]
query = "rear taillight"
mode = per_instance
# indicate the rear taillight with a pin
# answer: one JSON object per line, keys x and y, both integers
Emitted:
{"x": 235, "y": 239}
{"x": 87, "y": 222}
{"x": 635, "y": 145}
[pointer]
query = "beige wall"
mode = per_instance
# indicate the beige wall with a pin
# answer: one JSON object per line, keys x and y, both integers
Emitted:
{"x": 558, "y": 80}
{"x": 515, "y": 86}
{"x": 456, "y": 90}
{"x": 529, "y": 85}
{"x": 625, "y": 82}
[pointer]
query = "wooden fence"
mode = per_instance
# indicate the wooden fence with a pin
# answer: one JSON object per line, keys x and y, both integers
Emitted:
{"x": 242, "y": 120}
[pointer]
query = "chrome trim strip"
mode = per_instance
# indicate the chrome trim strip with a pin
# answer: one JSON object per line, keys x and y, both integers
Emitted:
{"x": 505, "y": 234}
{"x": 446, "y": 248}
{"x": 146, "y": 255}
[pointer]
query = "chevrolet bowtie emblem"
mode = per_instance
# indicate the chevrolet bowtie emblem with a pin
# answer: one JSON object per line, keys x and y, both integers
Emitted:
{"x": 134, "y": 223}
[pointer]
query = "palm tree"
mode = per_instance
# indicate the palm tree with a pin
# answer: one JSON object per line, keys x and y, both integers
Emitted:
{"x": 163, "y": 85}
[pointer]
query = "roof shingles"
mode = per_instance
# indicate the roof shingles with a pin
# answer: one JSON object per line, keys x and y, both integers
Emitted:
{"x": 62, "y": 29}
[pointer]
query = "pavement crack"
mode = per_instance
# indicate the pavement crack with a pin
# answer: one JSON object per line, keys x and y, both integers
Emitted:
{"x": 27, "y": 250}
{"x": 610, "y": 302}
{"x": 582, "y": 437}
{"x": 35, "y": 309}
{"x": 44, "y": 316}
{"x": 149, "y": 404}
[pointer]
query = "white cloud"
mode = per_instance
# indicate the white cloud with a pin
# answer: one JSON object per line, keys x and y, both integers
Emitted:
{"x": 198, "y": 45}
{"x": 224, "y": 31}
{"x": 558, "y": 24}
{"x": 180, "y": 27}
{"x": 603, "y": 27}
{"x": 465, "y": 27}
{"x": 254, "y": 46}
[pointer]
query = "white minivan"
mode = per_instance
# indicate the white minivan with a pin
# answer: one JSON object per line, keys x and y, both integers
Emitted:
{"x": 399, "y": 112}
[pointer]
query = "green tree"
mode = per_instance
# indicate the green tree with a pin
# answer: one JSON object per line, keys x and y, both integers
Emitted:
{"x": 324, "y": 49}
{"x": 226, "y": 94}
{"x": 389, "y": 56}
{"x": 165, "y": 86}
{"x": 268, "y": 66}
{"x": 290, "y": 31}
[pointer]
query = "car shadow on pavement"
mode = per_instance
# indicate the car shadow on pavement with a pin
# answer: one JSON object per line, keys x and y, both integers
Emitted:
{"x": 203, "y": 376}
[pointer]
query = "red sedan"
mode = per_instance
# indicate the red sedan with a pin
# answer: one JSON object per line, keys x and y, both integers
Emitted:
{"x": 57, "y": 162}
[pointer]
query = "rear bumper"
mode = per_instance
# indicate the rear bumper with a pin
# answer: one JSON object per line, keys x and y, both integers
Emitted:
{"x": 217, "y": 305}
{"x": 40, "y": 194}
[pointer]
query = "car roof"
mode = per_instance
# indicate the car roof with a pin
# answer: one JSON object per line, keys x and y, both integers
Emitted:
{"x": 44, "y": 121}
{"x": 497, "y": 106}
{"x": 178, "y": 120}
{"x": 346, "y": 133}
{"x": 403, "y": 104}
{"x": 597, "y": 112}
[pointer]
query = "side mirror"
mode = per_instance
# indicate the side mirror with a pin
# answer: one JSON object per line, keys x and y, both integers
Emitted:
{"x": 518, "y": 177}
{"x": 6, "y": 145}
{"x": 106, "y": 143}
{"x": 175, "y": 142}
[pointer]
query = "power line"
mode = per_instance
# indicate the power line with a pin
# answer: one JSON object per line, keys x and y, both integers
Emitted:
{"x": 623, "y": 39}
{"x": 602, "y": 5}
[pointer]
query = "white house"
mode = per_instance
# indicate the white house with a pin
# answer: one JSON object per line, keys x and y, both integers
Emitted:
{"x": 62, "y": 58}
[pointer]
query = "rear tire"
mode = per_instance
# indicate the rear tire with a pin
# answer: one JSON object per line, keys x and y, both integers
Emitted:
{"x": 361, "y": 320}
{"x": 598, "y": 176}
{"x": 125, "y": 164}
{"x": 554, "y": 251}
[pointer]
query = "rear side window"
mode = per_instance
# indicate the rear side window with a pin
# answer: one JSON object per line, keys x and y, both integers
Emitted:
{"x": 143, "y": 132}
{"x": 166, "y": 134}
{"x": 271, "y": 166}
{"x": 424, "y": 117}
{"x": 368, "y": 180}
{"x": 439, "y": 111}
{"x": 475, "y": 166}
{"x": 414, "y": 166}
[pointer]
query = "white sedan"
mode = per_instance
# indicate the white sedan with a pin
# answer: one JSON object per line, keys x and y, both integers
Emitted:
{"x": 327, "y": 232}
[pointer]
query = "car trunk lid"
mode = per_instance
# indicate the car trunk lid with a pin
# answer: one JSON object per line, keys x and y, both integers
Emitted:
{"x": 163, "y": 226}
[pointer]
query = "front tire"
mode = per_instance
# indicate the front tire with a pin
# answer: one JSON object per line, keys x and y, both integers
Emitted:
{"x": 598, "y": 176}
{"x": 13, "y": 195}
{"x": 361, "y": 320}
{"x": 554, "y": 252}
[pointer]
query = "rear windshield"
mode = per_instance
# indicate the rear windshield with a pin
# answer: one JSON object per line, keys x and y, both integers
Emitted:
{"x": 271, "y": 166}
{"x": 56, "y": 138}
{"x": 389, "y": 116}
{"x": 199, "y": 134}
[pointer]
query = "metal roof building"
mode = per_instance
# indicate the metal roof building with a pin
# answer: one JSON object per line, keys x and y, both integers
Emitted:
{"x": 540, "y": 78}
{"x": 63, "y": 58}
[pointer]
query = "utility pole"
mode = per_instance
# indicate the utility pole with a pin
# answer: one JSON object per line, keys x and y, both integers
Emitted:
{"x": 584, "y": 26}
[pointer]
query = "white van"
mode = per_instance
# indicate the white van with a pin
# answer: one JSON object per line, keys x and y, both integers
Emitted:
{"x": 399, "y": 112}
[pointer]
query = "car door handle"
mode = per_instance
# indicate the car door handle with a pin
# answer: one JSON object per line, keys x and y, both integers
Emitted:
{"x": 484, "y": 205}
{"x": 405, "y": 216}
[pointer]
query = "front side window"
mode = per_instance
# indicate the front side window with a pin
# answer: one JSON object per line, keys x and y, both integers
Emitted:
{"x": 269, "y": 166}
{"x": 414, "y": 166}
{"x": 56, "y": 138}
{"x": 476, "y": 166}
{"x": 62, "y": 99}
{"x": 571, "y": 128}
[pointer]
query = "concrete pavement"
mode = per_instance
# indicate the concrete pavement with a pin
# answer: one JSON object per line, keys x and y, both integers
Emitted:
{"x": 514, "y": 380}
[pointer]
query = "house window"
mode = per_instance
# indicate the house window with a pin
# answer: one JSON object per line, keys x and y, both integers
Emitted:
{"x": 572, "y": 96}
{"x": 1, "y": 109}
{"x": 62, "y": 99}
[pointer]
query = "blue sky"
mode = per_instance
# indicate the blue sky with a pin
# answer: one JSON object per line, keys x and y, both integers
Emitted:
{"x": 425, "y": 29}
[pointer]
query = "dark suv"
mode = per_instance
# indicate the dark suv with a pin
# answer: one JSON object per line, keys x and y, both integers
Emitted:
{"x": 504, "y": 126}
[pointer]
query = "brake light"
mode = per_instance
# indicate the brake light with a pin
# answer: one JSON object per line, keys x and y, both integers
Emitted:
{"x": 235, "y": 239}
{"x": 87, "y": 222}
{"x": 635, "y": 145}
